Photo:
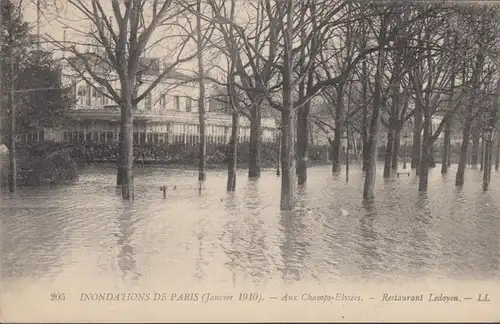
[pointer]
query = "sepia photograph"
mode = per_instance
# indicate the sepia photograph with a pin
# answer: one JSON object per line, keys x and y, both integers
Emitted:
{"x": 249, "y": 161}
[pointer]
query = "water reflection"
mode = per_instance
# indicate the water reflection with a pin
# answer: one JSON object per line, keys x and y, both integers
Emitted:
{"x": 486, "y": 236}
{"x": 200, "y": 262}
{"x": 126, "y": 255}
{"x": 420, "y": 245}
{"x": 230, "y": 233}
{"x": 256, "y": 246}
{"x": 33, "y": 239}
{"x": 368, "y": 242}
{"x": 296, "y": 240}
{"x": 332, "y": 235}
{"x": 245, "y": 241}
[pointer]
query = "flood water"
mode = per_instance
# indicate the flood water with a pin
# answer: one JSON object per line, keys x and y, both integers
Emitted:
{"x": 86, "y": 230}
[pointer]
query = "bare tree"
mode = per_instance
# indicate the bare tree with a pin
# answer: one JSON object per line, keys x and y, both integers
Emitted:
{"x": 369, "y": 186}
{"x": 201, "y": 99}
{"x": 124, "y": 31}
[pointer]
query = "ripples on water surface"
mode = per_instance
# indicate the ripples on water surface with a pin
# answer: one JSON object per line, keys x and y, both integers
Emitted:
{"x": 87, "y": 231}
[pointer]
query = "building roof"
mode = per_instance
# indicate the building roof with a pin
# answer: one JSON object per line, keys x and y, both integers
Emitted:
{"x": 148, "y": 66}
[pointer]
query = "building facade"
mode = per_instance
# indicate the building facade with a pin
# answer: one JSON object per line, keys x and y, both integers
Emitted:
{"x": 167, "y": 115}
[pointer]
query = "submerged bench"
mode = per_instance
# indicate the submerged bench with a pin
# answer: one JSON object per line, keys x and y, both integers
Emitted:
{"x": 403, "y": 173}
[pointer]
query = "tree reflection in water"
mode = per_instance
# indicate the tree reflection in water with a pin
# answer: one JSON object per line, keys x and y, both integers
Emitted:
{"x": 371, "y": 258}
{"x": 295, "y": 245}
{"x": 231, "y": 231}
{"x": 126, "y": 256}
{"x": 485, "y": 235}
{"x": 200, "y": 263}
{"x": 421, "y": 247}
{"x": 244, "y": 238}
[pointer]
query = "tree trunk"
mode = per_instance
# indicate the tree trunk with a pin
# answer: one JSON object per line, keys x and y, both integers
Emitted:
{"x": 233, "y": 153}
{"x": 425, "y": 157}
{"x": 446, "y": 147}
{"x": 449, "y": 155}
{"x": 445, "y": 161}
{"x": 469, "y": 147}
{"x": 393, "y": 132}
{"x": 12, "y": 126}
{"x": 388, "y": 152}
{"x": 364, "y": 133}
{"x": 397, "y": 148}
{"x": 335, "y": 144}
{"x": 486, "y": 163}
{"x": 431, "y": 162}
{"x": 459, "y": 180}
{"x": 288, "y": 116}
{"x": 288, "y": 172}
{"x": 460, "y": 175}
{"x": 393, "y": 124}
{"x": 416, "y": 145}
{"x": 497, "y": 153}
{"x": 121, "y": 174}
{"x": 336, "y": 158}
{"x": 10, "y": 99}
{"x": 302, "y": 143}
{"x": 371, "y": 170}
{"x": 202, "y": 151}
{"x": 127, "y": 149}
{"x": 491, "y": 123}
{"x": 474, "y": 151}
{"x": 255, "y": 140}
{"x": 201, "y": 99}
{"x": 482, "y": 152}
{"x": 365, "y": 154}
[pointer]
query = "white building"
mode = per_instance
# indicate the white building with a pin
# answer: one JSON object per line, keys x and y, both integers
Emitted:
{"x": 168, "y": 114}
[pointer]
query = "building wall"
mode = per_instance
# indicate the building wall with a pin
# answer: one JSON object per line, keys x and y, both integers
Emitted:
{"x": 169, "y": 113}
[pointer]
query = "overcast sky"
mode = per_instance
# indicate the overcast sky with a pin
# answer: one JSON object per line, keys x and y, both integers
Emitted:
{"x": 72, "y": 21}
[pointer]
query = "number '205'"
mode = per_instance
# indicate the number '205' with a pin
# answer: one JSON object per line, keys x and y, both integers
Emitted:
{"x": 57, "y": 296}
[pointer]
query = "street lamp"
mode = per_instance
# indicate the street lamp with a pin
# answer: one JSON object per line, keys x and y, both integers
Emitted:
{"x": 405, "y": 136}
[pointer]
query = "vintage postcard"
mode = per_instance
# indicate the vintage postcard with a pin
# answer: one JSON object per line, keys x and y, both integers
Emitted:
{"x": 249, "y": 161}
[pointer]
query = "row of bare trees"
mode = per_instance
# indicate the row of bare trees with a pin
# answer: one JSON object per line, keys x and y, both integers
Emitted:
{"x": 378, "y": 67}
{"x": 372, "y": 67}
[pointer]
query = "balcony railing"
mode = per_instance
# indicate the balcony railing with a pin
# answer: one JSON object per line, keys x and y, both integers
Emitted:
{"x": 212, "y": 118}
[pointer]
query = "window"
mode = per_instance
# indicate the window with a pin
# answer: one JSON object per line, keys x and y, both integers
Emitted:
{"x": 211, "y": 105}
{"x": 82, "y": 94}
{"x": 147, "y": 103}
{"x": 101, "y": 96}
{"x": 81, "y": 91}
{"x": 163, "y": 101}
{"x": 177, "y": 103}
{"x": 88, "y": 93}
{"x": 189, "y": 103}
